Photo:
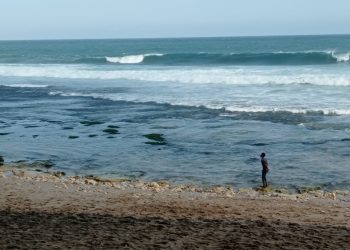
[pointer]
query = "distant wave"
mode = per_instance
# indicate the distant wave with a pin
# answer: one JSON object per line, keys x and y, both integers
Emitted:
{"x": 132, "y": 59}
{"x": 25, "y": 85}
{"x": 234, "y": 76}
{"x": 126, "y": 59}
{"x": 199, "y": 59}
{"x": 274, "y": 58}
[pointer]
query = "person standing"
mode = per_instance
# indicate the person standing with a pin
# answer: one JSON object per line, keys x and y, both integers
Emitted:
{"x": 265, "y": 169}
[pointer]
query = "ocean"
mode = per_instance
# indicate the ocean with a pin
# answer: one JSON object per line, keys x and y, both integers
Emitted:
{"x": 187, "y": 110}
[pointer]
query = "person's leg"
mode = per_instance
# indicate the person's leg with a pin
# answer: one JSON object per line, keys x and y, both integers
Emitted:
{"x": 264, "y": 178}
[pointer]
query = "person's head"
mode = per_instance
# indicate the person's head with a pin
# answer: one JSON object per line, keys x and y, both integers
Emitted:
{"x": 262, "y": 155}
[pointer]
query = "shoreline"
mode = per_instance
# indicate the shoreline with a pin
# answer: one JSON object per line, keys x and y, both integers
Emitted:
{"x": 41, "y": 171}
{"x": 48, "y": 210}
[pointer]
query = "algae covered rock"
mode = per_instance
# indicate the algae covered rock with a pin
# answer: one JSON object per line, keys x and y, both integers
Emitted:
{"x": 111, "y": 131}
{"x": 156, "y": 139}
{"x": 91, "y": 122}
{"x": 73, "y": 137}
{"x": 302, "y": 190}
{"x": 1, "y": 160}
{"x": 112, "y": 126}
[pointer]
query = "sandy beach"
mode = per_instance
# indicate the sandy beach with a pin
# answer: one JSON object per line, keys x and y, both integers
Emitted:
{"x": 51, "y": 211}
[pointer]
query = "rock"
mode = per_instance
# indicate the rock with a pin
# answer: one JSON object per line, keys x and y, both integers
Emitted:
{"x": 154, "y": 186}
{"x": 281, "y": 191}
{"x": 229, "y": 194}
{"x": 317, "y": 193}
{"x": 1, "y": 160}
{"x": 90, "y": 182}
{"x": 91, "y": 122}
{"x": 330, "y": 196}
{"x": 163, "y": 184}
{"x": 111, "y": 131}
{"x": 177, "y": 189}
{"x": 73, "y": 137}
{"x": 218, "y": 190}
{"x": 156, "y": 139}
{"x": 18, "y": 173}
{"x": 58, "y": 174}
{"x": 113, "y": 126}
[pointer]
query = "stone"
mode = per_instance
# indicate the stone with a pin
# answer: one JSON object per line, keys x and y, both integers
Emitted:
{"x": 332, "y": 196}
{"x": 59, "y": 174}
{"x": 90, "y": 182}
{"x": 218, "y": 190}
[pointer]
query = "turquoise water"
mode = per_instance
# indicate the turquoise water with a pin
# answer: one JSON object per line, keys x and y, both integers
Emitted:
{"x": 219, "y": 102}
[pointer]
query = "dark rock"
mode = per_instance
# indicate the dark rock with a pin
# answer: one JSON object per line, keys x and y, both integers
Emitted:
{"x": 111, "y": 131}
{"x": 58, "y": 174}
{"x": 113, "y": 126}
{"x": 157, "y": 139}
{"x": 91, "y": 123}
{"x": 73, "y": 137}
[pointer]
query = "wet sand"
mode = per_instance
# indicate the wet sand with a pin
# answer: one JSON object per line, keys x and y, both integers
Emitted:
{"x": 44, "y": 211}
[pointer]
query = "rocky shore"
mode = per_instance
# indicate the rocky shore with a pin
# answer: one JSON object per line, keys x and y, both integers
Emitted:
{"x": 49, "y": 210}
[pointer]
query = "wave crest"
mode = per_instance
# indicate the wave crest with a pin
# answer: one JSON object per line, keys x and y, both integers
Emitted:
{"x": 341, "y": 57}
{"x": 126, "y": 59}
{"x": 25, "y": 85}
{"x": 131, "y": 59}
{"x": 268, "y": 58}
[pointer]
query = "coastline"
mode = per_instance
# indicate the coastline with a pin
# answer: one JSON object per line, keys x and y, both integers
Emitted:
{"x": 45, "y": 210}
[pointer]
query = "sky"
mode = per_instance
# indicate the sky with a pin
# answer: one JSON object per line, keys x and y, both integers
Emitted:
{"x": 81, "y": 19}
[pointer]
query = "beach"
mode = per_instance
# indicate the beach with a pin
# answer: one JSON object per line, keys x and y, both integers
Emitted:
{"x": 155, "y": 143}
{"x": 48, "y": 210}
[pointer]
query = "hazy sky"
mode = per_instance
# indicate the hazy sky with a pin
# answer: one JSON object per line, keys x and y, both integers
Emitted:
{"x": 53, "y": 19}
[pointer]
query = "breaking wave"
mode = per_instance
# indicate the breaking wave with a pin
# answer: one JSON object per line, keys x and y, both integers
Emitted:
{"x": 235, "y": 76}
{"x": 25, "y": 85}
{"x": 132, "y": 59}
{"x": 197, "y": 59}
{"x": 225, "y": 110}
{"x": 275, "y": 58}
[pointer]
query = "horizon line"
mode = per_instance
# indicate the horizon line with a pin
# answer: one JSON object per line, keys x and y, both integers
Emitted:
{"x": 177, "y": 37}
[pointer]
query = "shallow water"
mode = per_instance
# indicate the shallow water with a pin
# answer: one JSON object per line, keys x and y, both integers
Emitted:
{"x": 216, "y": 115}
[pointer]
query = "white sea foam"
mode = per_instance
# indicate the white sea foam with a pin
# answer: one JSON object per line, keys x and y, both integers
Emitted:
{"x": 131, "y": 59}
{"x": 126, "y": 59}
{"x": 289, "y": 110}
{"x": 341, "y": 57}
{"x": 25, "y": 85}
{"x": 229, "y": 110}
{"x": 234, "y": 76}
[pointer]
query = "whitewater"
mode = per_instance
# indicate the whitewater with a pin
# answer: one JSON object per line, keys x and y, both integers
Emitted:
{"x": 328, "y": 76}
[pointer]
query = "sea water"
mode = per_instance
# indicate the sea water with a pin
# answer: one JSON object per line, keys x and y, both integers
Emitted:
{"x": 217, "y": 102}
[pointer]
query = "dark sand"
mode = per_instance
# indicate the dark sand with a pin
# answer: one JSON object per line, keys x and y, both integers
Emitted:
{"x": 47, "y": 212}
